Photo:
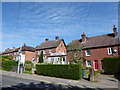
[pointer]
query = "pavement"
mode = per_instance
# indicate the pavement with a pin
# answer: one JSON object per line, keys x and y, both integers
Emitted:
{"x": 105, "y": 82}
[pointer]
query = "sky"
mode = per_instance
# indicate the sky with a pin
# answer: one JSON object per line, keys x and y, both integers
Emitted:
{"x": 33, "y": 22}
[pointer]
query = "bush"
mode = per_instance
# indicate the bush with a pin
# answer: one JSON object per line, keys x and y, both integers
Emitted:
{"x": 28, "y": 62}
{"x": 28, "y": 67}
{"x": 5, "y": 58}
{"x": 73, "y": 71}
{"x": 8, "y": 65}
{"x": 111, "y": 65}
{"x": 41, "y": 58}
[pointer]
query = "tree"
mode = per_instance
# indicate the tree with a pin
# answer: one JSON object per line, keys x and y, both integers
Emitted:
{"x": 75, "y": 47}
{"x": 40, "y": 60}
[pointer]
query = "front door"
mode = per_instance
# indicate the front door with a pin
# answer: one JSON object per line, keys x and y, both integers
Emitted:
{"x": 96, "y": 64}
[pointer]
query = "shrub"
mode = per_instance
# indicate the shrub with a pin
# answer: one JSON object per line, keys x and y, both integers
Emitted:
{"x": 41, "y": 58}
{"x": 72, "y": 71}
{"x": 28, "y": 62}
{"x": 111, "y": 65}
{"x": 28, "y": 67}
{"x": 5, "y": 58}
{"x": 8, "y": 65}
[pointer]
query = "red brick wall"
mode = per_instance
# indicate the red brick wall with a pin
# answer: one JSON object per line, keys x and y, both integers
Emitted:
{"x": 29, "y": 55}
{"x": 96, "y": 54}
{"x": 62, "y": 47}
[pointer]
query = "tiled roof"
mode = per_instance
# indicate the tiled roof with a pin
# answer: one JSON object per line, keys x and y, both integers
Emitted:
{"x": 94, "y": 42}
{"x": 24, "y": 48}
{"x": 49, "y": 44}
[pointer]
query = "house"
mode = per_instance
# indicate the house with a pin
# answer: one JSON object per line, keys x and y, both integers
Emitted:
{"x": 54, "y": 51}
{"x": 28, "y": 53}
{"x": 94, "y": 49}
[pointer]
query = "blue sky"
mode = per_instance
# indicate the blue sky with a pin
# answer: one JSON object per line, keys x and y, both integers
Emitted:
{"x": 31, "y": 23}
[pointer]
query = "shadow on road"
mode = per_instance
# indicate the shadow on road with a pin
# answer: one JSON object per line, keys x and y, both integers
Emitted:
{"x": 44, "y": 86}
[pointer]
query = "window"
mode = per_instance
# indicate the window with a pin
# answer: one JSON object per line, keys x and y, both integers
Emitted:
{"x": 59, "y": 51}
{"x": 44, "y": 51}
{"x": 88, "y": 63}
{"x": 87, "y": 52}
{"x": 50, "y": 50}
{"x": 63, "y": 59}
{"x": 110, "y": 51}
{"x": 38, "y": 52}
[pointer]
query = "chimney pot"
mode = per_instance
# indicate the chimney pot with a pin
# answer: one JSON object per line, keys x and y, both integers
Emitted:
{"x": 115, "y": 30}
{"x": 56, "y": 38}
{"x": 46, "y": 39}
{"x": 83, "y": 37}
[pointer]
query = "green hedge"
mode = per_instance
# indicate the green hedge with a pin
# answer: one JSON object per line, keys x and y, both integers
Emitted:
{"x": 73, "y": 71}
{"x": 8, "y": 65}
{"x": 111, "y": 65}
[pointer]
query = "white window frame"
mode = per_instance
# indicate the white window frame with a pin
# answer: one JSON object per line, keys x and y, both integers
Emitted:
{"x": 87, "y": 63}
{"x": 50, "y": 50}
{"x": 38, "y": 52}
{"x": 87, "y": 53}
{"x": 58, "y": 50}
{"x": 44, "y": 51}
{"x": 109, "y": 51}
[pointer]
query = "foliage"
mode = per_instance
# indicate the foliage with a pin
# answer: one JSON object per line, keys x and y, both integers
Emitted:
{"x": 73, "y": 71}
{"x": 5, "y": 58}
{"x": 41, "y": 58}
{"x": 28, "y": 62}
{"x": 88, "y": 68}
{"x": 96, "y": 72}
{"x": 28, "y": 67}
{"x": 27, "y": 72}
{"x": 111, "y": 65}
{"x": 8, "y": 65}
{"x": 78, "y": 60}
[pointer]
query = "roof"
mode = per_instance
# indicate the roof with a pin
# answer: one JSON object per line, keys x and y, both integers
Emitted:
{"x": 50, "y": 44}
{"x": 24, "y": 48}
{"x": 95, "y": 42}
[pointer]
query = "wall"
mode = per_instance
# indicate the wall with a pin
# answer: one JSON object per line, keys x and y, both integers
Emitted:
{"x": 62, "y": 47}
{"x": 29, "y": 55}
{"x": 96, "y": 54}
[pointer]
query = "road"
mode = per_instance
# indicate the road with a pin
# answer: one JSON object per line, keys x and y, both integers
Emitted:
{"x": 15, "y": 83}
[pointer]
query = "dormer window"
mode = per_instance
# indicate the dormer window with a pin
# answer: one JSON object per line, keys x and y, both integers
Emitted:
{"x": 110, "y": 51}
{"x": 87, "y": 52}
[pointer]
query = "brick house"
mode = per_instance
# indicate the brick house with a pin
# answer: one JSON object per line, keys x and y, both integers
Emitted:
{"x": 53, "y": 51}
{"x": 94, "y": 49}
{"x": 28, "y": 53}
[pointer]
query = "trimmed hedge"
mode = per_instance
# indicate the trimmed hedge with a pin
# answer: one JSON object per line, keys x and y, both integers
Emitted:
{"x": 8, "y": 65}
{"x": 111, "y": 65}
{"x": 73, "y": 71}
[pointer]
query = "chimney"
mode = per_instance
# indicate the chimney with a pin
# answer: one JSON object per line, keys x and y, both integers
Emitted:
{"x": 115, "y": 30}
{"x": 83, "y": 37}
{"x": 24, "y": 44}
{"x": 13, "y": 48}
{"x": 46, "y": 39}
{"x": 56, "y": 38}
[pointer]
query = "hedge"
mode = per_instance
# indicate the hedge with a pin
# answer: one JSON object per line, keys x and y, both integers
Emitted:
{"x": 73, "y": 71}
{"x": 111, "y": 65}
{"x": 8, "y": 65}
